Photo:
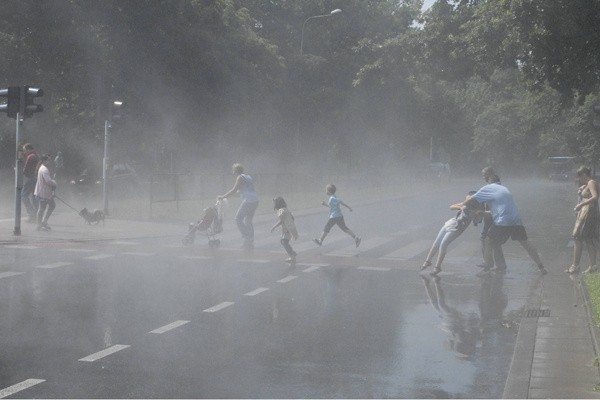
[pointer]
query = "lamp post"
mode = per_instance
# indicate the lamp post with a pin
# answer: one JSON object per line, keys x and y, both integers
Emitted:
{"x": 333, "y": 12}
{"x": 105, "y": 176}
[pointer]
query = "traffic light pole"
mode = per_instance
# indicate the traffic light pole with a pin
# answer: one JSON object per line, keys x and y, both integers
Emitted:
{"x": 18, "y": 177}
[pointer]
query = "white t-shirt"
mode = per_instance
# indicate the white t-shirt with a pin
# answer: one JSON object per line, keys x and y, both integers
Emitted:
{"x": 45, "y": 184}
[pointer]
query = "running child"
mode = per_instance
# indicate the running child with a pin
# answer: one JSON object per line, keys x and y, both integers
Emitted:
{"x": 288, "y": 227}
{"x": 335, "y": 216}
{"x": 452, "y": 229}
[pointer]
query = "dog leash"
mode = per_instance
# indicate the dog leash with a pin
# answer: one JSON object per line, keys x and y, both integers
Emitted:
{"x": 65, "y": 203}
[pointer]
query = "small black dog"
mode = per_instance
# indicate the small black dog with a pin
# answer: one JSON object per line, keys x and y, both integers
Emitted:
{"x": 92, "y": 217}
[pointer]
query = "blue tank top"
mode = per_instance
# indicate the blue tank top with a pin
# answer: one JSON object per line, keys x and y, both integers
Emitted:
{"x": 247, "y": 191}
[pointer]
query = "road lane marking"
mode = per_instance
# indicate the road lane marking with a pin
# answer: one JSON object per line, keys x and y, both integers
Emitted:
{"x": 106, "y": 352}
{"x": 21, "y": 246}
{"x": 8, "y": 274}
{"x": 287, "y": 279}
{"x": 138, "y": 253}
{"x": 124, "y": 243}
{"x": 195, "y": 257}
{"x": 409, "y": 251}
{"x": 256, "y": 291}
{"x": 219, "y": 307}
{"x": 313, "y": 265}
{"x": 79, "y": 250}
{"x": 374, "y": 269}
{"x": 99, "y": 257}
{"x": 366, "y": 245}
{"x": 311, "y": 269}
{"x": 54, "y": 265}
{"x": 19, "y": 386}
{"x": 310, "y": 245}
{"x": 170, "y": 326}
{"x": 251, "y": 261}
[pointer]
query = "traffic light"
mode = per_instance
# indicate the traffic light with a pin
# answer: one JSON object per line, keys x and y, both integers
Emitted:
{"x": 13, "y": 98}
{"x": 30, "y": 106}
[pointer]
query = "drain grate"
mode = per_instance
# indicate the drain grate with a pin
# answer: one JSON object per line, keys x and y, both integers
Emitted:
{"x": 536, "y": 313}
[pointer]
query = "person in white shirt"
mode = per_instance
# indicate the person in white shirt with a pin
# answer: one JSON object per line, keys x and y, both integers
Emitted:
{"x": 44, "y": 192}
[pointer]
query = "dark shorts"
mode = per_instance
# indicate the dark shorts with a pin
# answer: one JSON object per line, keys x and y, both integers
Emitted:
{"x": 339, "y": 221}
{"x": 500, "y": 234}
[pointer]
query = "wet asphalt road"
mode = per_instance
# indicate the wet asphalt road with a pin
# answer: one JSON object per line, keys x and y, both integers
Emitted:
{"x": 151, "y": 319}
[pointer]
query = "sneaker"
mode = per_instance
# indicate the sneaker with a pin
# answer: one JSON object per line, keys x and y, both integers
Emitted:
{"x": 435, "y": 271}
{"x": 425, "y": 265}
{"x": 357, "y": 241}
{"x": 318, "y": 242}
{"x": 485, "y": 266}
{"x": 291, "y": 260}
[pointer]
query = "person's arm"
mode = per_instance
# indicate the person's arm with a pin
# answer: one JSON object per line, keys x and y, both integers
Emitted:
{"x": 236, "y": 186}
{"x": 346, "y": 205}
{"x": 276, "y": 225}
{"x": 593, "y": 190}
{"x": 456, "y": 206}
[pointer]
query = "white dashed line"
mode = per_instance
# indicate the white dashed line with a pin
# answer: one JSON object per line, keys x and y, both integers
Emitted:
{"x": 104, "y": 353}
{"x": 19, "y": 386}
{"x": 256, "y": 291}
{"x": 8, "y": 274}
{"x": 311, "y": 269}
{"x": 195, "y": 257}
{"x": 287, "y": 279}
{"x": 124, "y": 243}
{"x": 21, "y": 246}
{"x": 99, "y": 257}
{"x": 219, "y": 307}
{"x": 139, "y": 253}
{"x": 374, "y": 269}
{"x": 254, "y": 261}
{"x": 54, "y": 265}
{"x": 79, "y": 250}
{"x": 169, "y": 327}
{"x": 409, "y": 251}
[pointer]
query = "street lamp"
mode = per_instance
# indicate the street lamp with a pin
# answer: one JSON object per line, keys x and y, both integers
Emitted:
{"x": 333, "y": 12}
{"x": 107, "y": 126}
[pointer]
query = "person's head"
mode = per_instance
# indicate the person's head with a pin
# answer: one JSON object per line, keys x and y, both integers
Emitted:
{"x": 278, "y": 203}
{"x": 487, "y": 173}
{"x": 237, "y": 169}
{"x": 28, "y": 147}
{"x": 494, "y": 179}
{"x": 330, "y": 189}
{"x": 583, "y": 174}
{"x": 44, "y": 158}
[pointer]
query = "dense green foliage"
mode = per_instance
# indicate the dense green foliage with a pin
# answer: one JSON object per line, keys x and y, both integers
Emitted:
{"x": 502, "y": 81}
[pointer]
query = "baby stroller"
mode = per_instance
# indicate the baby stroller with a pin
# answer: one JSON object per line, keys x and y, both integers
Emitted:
{"x": 211, "y": 223}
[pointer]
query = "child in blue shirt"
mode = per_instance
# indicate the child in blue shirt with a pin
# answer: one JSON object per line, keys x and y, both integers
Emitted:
{"x": 335, "y": 216}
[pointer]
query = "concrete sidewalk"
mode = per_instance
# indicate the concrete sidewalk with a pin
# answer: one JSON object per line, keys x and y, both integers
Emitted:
{"x": 556, "y": 344}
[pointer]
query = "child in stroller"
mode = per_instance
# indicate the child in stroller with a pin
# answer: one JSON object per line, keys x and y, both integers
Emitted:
{"x": 211, "y": 223}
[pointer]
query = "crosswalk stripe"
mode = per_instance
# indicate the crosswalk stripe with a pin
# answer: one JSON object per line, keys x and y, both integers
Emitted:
{"x": 54, "y": 265}
{"x": 99, "y": 257}
{"x": 79, "y": 250}
{"x": 169, "y": 327}
{"x": 19, "y": 387}
{"x": 139, "y": 253}
{"x": 287, "y": 279}
{"x": 124, "y": 243}
{"x": 365, "y": 246}
{"x": 409, "y": 251}
{"x": 219, "y": 307}
{"x": 104, "y": 353}
{"x": 195, "y": 257}
{"x": 311, "y": 269}
{"x": 383, "y": 269}
{"x": 256, "y": 291}
{"x": 21, "y": 246}
{"x": 252, "y": 261}
{"x": 8, "y": 274}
